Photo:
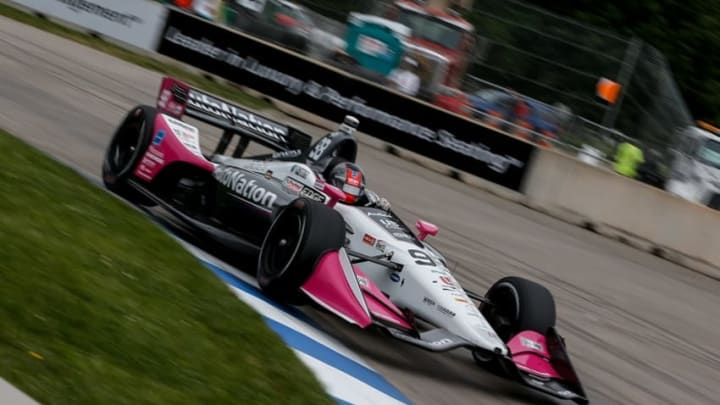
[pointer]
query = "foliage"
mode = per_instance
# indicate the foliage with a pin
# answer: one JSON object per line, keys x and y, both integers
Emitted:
{"x": 687, "y": 32}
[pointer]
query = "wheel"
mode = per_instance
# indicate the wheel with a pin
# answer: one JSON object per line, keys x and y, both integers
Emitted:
{"x": 515, "y": 305}
{"x": 299, "y": 236}
{"x": 518, "y": 304}
{"x": 126, "y": 148}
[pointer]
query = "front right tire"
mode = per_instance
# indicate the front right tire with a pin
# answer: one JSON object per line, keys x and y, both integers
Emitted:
{"x": 514, "y": 305}
{"x": 518, "y": 304}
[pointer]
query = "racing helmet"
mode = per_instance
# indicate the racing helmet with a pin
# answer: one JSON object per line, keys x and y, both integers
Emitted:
{"x": 349, "y": 178}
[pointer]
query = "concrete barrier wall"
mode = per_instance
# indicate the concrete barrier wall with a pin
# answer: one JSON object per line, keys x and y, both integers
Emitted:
{"x": 564, "y": 186}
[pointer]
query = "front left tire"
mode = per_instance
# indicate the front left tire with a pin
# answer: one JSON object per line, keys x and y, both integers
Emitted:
{"x": 125, "y": 151}
{"x": 301, "y": 234}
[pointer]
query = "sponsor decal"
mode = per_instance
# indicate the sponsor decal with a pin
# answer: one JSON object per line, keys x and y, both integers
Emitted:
{"x": 402, "y": 235}
{"x": 237, "y": 116}
{"x": 446, "y": 280}
{"x": 187, "y": 134}
{"x": 381, "y": 246}
{"x": 287, "y": 154}
{"x": 428, "y": 301}
{"x": 447, "y": 283}
{"x": 102, "y": 12}
{"x": 247, "y": 190}
{"x": 255, "y": 166}
{"x": 390, "y": 225}
{"x": 443, "y": 341}
{"x": 155, "y": 155}
{"x": 395, "y": 277}
{"x": 531, "y": 344}
{"x": 421, "y": 258}
{"x": 292, "y": 185}
{"x": 369, "y": 239}
{"x": 299, "y": 171}
{"x": 441, "y": 271}
{"x": 319, "y": 149}
{"x": 463, "y": 300}
{"x": 167, "y": 101}
{"x": 159, "y": 137}
{"x": 445, "y": 311}
{"x": 308, "y": 192}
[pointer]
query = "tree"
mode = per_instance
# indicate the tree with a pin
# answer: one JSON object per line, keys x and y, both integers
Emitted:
{"x": 687, "y": 32}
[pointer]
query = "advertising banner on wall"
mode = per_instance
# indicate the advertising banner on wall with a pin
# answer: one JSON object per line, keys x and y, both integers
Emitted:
{"x": 135, "y": 22}
{"x": 332, "y": 94}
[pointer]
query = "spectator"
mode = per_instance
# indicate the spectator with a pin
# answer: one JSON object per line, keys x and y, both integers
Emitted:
{"x": 627, "y": 159}
{"x": 405, "y": 78}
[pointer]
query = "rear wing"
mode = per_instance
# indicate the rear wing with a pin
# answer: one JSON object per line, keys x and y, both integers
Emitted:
{"x": 178, "y": 99}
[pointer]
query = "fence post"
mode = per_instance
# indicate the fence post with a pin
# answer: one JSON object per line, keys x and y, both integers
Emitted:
{"x": 626, "y": 70}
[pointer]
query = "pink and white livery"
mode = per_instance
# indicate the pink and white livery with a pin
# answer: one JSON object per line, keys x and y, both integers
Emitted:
{"x": 358, "y": 261}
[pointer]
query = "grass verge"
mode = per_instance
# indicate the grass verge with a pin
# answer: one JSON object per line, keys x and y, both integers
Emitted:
{"x": 197, "y": 80}
{"x": 99, "y": 306}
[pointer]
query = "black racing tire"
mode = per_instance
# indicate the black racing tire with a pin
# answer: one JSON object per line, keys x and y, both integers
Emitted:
{"x": 518, "y": 304}
{"x": 125, "y": 150}
{"x": 299, "y": 236}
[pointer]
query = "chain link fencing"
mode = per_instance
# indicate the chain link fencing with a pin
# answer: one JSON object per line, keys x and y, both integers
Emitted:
{"x": 520, "y": 53}
{"x": 555, "y": 63}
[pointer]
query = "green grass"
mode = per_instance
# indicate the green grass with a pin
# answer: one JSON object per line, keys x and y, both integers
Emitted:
{"x": 171, "y": 69}
{"x": 99, "y": 306}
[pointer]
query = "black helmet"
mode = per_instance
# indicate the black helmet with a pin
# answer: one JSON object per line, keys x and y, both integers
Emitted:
{"x": 349, "y": 178}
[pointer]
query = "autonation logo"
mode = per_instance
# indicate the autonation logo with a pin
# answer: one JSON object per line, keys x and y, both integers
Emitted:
{"x": 101, "y": 11}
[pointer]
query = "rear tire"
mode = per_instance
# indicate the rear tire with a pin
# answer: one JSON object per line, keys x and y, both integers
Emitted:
{"x": 518, "y": 304}
{"x": 299, "y": 236}
{"x": 125, "y": 150}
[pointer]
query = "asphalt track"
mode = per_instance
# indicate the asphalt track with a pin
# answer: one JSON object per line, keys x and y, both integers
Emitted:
{"x": 639, "y": 329}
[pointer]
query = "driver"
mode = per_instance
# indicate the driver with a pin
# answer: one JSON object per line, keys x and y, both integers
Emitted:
{"x": 350, "y": 178}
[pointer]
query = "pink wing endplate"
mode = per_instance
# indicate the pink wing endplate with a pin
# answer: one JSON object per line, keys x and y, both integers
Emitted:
{"x": 343, "y": 289}
{"x": 166, "y": 147}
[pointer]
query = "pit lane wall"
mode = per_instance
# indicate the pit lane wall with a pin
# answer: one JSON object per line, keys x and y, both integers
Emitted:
{"x": 641, "y": 215}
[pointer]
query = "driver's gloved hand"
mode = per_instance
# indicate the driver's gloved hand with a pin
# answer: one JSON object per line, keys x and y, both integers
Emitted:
{"x": 375, "y": 200}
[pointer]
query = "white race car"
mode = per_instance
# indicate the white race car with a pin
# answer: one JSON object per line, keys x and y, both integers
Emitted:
{"x": 360, "y": 262}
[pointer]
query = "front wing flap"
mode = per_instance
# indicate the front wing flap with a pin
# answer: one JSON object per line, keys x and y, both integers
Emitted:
{"x": 567, "y": 387}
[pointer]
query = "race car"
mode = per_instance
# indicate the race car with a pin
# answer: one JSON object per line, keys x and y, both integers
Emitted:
{"x": 334, "y": 244}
